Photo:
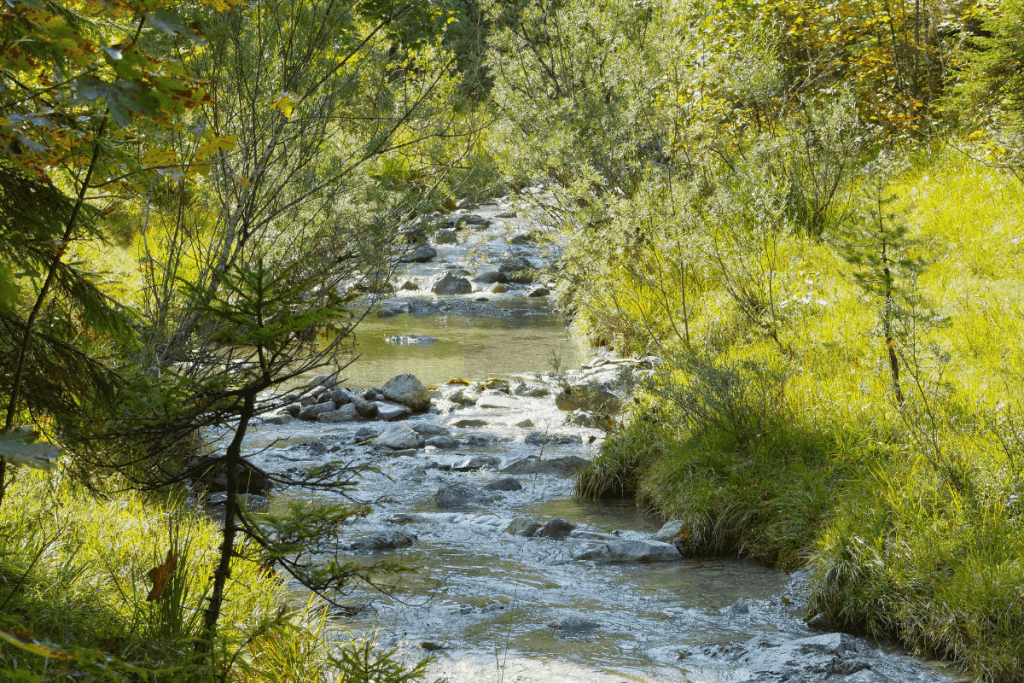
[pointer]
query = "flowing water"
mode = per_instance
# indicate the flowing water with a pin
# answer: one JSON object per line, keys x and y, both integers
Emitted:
{"x": 492, "y": 606}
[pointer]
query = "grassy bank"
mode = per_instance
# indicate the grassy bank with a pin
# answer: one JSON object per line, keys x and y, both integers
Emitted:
{"x": 75, "y": 578}
{"x": 789, "y": 443}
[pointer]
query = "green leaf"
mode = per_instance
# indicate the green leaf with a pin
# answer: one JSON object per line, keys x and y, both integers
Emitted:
{"x": 20, "y": 447}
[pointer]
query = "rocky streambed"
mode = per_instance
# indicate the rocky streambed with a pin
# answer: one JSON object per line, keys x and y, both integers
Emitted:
{"x": 517, "y": 580}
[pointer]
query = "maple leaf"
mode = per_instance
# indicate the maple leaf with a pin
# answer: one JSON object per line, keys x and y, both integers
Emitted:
{"x": 159, "y": 576}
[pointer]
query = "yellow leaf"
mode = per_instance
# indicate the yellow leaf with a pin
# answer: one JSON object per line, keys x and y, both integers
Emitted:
{"x": 214, "y": 144}
{"x": 241, "y": 180}
{"x": 160, "y": 575}
{"x": 25, "y": 640}
{"x": 286, "y": 104}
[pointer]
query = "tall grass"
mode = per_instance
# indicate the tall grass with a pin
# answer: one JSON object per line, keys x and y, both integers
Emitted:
{"x": 909, "y": 510}
{"x": 74, "y": 573}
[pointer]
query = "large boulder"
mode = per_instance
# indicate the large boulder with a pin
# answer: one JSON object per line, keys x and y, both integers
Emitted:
{"x": 442, "y": 442}
{"x": 452, "y": 284}
{"x": 398, "y": 436}
{"x": 631, "y": 551}
{"x": 428, "y": 428}
{"x": 462, "y": 495}
{"x": 365, "y": 408}
{"x": 490, "y": 276}
{"x": 590, "y": 398}
{"x": 408, "y": 391}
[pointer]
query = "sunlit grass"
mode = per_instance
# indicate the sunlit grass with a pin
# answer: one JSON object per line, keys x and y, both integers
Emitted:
{"x": 909, "y": 512}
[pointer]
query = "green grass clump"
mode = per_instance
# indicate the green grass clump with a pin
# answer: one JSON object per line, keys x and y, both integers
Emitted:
{"x": 910, "y": 511}
{"x": 73, "y": 572}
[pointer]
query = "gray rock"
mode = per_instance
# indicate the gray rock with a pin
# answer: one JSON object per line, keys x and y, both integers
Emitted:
{"x": 410, "y": 286}
{"x": 385, "y": 540}
{"x": 478, "y": 462}
{"x": 435, "y": 645}
{"x": 363, "y": 407}
{"x": 410, "y": 340}
{"x": 538, "y": 392}
{"x": 312, "y": 412}
{"x": 525, "y": 424}
{"x": 490, "y": 276}
{"x": 421, "y": 255}
{"x": 466, "y": 203}
{"x": 556, "y": 529}
{"x": 538, "y": 438}
{"x": 470, "y": 422}
{"x": 452, "y": 284}
{"x": 462, "y": 495}
{"x": 391, "y": 311}
{"x": 428, "y": 428}
{"x": 364, "y": 433}
{"x": 446, "y": 236}
{"x": 562, "y": 466}
{"x": 408, "y": 391}
{"x": 479, "y": 440}
{"x": 391, "y": 411}
{"x": 741, "y": 606}
{"x": 669, "y": 531}
{"x": 539, "y": 292}
{"x": 521, "y": 526}
{"x": 441, "y": 441}
{"x": 573, "y": 625}
{"x": 308, "y": 399}
{"x": 282, "y": 419}
{"x": 589, "y": 398}
{"x": 347, "y": 413}
{"x": 819, "y": 622}
{"x": 397, "y": 436}
{"x": 505, "y": 484}
{"x": 498, "y": 288}
{"x": 631, "y": 551}
{"x": 340, "y": 396}
{"x": 462, "y": 398}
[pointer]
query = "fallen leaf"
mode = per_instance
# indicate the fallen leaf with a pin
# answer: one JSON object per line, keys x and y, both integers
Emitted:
{"x": 159, "y": 576}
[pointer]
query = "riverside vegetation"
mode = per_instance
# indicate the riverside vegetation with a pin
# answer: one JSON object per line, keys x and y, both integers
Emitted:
{"x": 811, "y": 211}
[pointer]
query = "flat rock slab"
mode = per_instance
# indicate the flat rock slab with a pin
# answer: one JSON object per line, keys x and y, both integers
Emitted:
{"x": 533, "y": 464}
{"x": 391, "y": 411}
{"x": 631, "y": 551}
{"x": 346, "y": 413}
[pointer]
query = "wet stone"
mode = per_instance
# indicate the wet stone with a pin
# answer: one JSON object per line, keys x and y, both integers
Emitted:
{"x": 505, "y": 484}
{"x": 385, "y": 540}
{"x": 562, "y": 466}
{"x": 442, "y": 442}
{"x": 573, "y": 625}
{"x": 478, "y": 462}
{"x": 631, "y": 551}
{"x": 539, "y": 438}
{"x": 521, "y": 526}
{"x": 410, "y": 340}
{"x": 470, "y": 422}
{"x": 462, "y": 495}
{"x": 556, "y": 529}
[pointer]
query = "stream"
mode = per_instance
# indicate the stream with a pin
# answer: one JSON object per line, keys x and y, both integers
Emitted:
{"x": 488, "y": 601}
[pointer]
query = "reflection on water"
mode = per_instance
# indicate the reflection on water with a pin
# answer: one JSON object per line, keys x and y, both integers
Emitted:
{"x": 471, "y": 348}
